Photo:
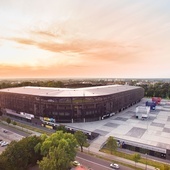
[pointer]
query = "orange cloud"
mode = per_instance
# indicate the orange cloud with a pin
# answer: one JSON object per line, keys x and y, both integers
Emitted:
{"x": 87, "y": 49}
{"x": 39, "y": 71}
{"x": 44, "y": 33}
{"x": 55, "y": 70}
{"x": 24, "y": 41}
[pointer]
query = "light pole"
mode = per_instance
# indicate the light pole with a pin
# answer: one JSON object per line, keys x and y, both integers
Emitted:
{"x": 147, "y": 124}
{"x": 146, "y": 161}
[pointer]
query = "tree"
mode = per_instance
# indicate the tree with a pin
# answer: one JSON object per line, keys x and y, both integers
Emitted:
{"x": 1, "y": 113}
{"x": 19, "y": 155}
{"x": 81, "y": 139}
{"x": 58, "y": 151}
{"x": 14, "y": 123}
{"x": 8, "y": 120}
{"x": 111, "y": 144}
{"x": 57, "y": 158}
{"x": 136, "y": 158}
{"x": 61, "y": 128}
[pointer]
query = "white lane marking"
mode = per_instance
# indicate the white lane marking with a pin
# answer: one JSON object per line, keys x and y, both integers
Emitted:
{"x": 93, "y": 162}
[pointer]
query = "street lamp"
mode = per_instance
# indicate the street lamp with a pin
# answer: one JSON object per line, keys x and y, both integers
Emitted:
{"x": 146, "y": 161}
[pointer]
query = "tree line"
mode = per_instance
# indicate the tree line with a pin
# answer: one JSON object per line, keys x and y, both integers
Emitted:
{"x": 157, "y": 90}
{"x": 29, "y": 83}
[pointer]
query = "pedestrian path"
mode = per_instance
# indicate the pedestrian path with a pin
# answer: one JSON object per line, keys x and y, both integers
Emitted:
{"x": 98, "y": 142}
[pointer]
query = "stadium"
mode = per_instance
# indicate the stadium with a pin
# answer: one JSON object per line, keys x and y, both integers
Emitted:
{"x": 65, "y": 105}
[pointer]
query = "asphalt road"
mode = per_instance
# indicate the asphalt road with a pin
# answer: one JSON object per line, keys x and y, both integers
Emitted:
{"x": 14, "y": 130}
{"x": 96, "y": 163}
{"x": 92, "y": 163}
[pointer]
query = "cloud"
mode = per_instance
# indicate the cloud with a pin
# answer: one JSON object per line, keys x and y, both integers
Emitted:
{"x": 42, "y": 71}
{"x": 23, "y": 71}
{"x": 86, "y": 49}
{"x": 24, "y": 41}
{"x": 44, "y": 33}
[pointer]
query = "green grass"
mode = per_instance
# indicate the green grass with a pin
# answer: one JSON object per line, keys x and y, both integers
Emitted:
{"x": 130, "y": 157}
{"x": 25, "y": 127}
{"x": 33, "y": 129}
{"x": 111, "y": 160}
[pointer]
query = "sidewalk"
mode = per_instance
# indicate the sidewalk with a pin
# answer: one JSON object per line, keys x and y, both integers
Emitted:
{"x": 95, "y": 147}
{"x": 119, "y": 159}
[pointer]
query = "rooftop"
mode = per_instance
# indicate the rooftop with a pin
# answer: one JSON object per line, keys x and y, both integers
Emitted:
{"x": 68, "y": 92}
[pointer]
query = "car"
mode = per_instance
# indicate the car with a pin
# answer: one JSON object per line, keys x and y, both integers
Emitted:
{"x": 4, "y": 144}
{"x": 76, "y": 163}
{"x": 5, "y": 131}
{"x": 1, "y": 142}
{"x": 115, "y": 166}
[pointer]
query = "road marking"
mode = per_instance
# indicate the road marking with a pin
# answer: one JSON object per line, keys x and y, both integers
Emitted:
{"x": 93, "y": 162}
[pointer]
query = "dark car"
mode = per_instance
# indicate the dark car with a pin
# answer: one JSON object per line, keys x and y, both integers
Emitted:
{"x": 5, "y": 131}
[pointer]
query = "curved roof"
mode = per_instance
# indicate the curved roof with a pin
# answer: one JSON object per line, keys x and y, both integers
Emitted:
{"x": 70, "y": 92}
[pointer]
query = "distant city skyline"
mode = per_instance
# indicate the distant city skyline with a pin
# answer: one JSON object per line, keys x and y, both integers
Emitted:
{"x": 88, "y": 39}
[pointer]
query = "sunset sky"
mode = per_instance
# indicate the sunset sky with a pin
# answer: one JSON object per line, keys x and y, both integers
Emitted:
{"x": 85, "y": 38}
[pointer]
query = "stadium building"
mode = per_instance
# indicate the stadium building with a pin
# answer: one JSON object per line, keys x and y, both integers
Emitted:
{"x": 65, "y": 105}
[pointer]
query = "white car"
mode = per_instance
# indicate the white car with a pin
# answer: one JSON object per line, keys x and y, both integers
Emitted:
{"x": 4, "y": 144}
{"x": 76, "y": 163}
{"x": 1, "y": 142}
{"x": 113, "y": 165}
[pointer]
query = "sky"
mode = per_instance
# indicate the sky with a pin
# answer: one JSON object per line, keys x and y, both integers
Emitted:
{"x": 84, "y": 39}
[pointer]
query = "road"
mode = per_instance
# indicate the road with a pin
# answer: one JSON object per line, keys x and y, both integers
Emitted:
{"x": 87, "y": 160}
{"x": 96, "y": 163}
{"x": 14, "y": 130}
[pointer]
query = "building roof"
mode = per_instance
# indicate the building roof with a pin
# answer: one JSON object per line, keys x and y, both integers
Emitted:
{"x": 70, "y": 92}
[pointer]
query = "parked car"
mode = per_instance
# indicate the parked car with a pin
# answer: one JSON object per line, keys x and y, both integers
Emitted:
{"x": 115, "y": 166}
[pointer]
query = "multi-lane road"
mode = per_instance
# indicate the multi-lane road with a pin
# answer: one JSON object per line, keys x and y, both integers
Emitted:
{"x": 96, "y": 163}
{"x": 13, "y": 130}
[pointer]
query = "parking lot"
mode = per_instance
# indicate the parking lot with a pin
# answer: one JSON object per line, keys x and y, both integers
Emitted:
{"x": 152, "y": 132}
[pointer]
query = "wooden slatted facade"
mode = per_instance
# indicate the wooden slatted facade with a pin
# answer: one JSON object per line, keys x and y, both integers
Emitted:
{"x": 72, "y": 108}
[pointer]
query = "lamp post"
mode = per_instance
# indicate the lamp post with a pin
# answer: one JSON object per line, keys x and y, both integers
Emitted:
{"x": 146, "y": 161}
{"x": 89, "y": 149}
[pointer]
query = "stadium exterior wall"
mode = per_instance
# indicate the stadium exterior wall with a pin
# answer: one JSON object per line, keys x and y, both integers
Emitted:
{"x": 71, "y": 109}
